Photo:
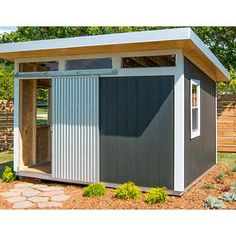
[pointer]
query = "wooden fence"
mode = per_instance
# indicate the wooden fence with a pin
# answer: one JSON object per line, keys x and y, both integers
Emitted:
{"x": 6, "y": 125}
{"x": 226, "y": 123}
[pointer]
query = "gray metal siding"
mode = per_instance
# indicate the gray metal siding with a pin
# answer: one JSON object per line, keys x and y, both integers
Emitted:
{"x": 136, "y": 130}
{"x": 200, "y": 152}
{"x": 75, "y": 136}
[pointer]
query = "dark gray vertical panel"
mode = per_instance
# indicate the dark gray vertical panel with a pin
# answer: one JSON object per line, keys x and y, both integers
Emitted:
{"x": 142, "y": 140}
{"x": 108, "y": 112}
{"x": 200, "y": 152}
{"x": 143, "y": 114}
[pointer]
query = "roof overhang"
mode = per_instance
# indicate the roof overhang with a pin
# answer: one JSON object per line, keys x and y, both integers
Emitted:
{"x": 167, "y": 39}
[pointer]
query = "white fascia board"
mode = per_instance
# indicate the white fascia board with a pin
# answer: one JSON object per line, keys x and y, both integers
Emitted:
{"x": 208, "y": 53}
{"x": 98, "y": 40}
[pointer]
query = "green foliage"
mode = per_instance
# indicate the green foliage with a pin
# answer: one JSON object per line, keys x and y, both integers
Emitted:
{"x": 233, "y": 169}
{"x": 219, "y": 178}
{"x": 229, "y": 197}
{"x": 128, "y": 191}
{"x": 6, "y": 82}
{"x": 95, "y": 190}
{"x": 213, "y": 203}
{"x": 156, "y": 195}
{"x": 208, "y": 186}
{"x": 8, "y": 174}
{"x": 42, "y": 96}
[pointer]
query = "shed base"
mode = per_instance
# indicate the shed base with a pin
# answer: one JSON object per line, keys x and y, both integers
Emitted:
{"x": 31, "y": 173}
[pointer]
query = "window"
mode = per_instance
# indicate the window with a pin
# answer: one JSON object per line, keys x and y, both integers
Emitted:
{"x": 38, "y": 66}
{"x": 148, "y": 61}
{"x": 195, "y": 108}
{"x": 88, "y": 64}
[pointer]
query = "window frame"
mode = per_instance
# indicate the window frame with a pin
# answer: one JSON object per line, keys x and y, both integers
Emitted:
{"x": 195, "y": 133}
{"x": 88, "y": 69}
{"x": 147, "y": 55}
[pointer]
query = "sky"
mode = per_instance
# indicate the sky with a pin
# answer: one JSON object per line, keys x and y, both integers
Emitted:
{"x": 7, "y": 29}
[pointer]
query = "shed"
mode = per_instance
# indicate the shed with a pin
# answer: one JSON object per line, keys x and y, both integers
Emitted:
{"x": 137, "y": 106}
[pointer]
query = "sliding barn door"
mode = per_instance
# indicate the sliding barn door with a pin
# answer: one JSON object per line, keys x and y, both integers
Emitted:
{"x": 75, "y": 129}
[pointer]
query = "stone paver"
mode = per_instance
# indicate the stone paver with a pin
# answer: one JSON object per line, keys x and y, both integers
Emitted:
{"x": 10, "y": 194}
{"x": 23, "y": 205}
{"x": 50, "y": 194}
{"x": 20, "y": 189}
{"x": 51, "y": 188}
{"x": 23, "y": 185}
{"x": 31, "y": 193}
{"x": 16, "y": 199}
{"x": 50, "y": 204}
{"x": 39, "y": 186}
{"x": 26, "y": 195}
{"x": 60, "y": 198}
{"x": 38, "y": 199}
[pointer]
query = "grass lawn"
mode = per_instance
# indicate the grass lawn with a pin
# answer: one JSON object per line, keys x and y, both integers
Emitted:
{"x": 227, "y": 159}
{"x": 6, "y": 159}
{"x": 42, "y": 110}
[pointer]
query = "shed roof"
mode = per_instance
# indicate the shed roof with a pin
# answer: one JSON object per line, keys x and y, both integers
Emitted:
{"x": 177, "y": 38}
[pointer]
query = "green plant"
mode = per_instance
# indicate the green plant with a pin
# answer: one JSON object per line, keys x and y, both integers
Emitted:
{"x": 213, "y": 203}
{"x": 156, "y": 195}
{"x": 8, "y": 174}
{"x": 95, "y": 190}
{"x": 128, "y": 191}
{"x": 208, "y": 186}
{"x": 233, "y": 169}
{"x": 219, "y": 178}
{"x": 229, "y": 197}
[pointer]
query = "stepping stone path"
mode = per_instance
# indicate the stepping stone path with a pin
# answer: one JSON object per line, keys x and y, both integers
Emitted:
{"x": 26, "y": 195}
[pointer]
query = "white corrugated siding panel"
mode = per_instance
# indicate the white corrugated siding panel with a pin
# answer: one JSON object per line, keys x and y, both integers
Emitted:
{"x": 75, "y": 132}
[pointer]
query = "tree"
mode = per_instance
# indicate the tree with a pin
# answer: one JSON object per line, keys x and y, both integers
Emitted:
{"x": 6, "y": 82}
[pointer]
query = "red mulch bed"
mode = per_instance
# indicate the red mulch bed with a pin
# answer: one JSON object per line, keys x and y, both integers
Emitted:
{"x": 192, "y": 199}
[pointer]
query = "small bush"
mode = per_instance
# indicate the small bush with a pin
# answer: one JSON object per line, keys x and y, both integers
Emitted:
{"x": 213, "y": 203}
{"x": 208, "y": 186}
{"x": 95, "y": 190}
{"x": 229, "y": 197}
{"x": 128, "y": 191}
{"x": 8, "y": 174}
{"x": 233, "y": 169}
{"x": 219, "y": 178}
{"x": 156, "y": 195}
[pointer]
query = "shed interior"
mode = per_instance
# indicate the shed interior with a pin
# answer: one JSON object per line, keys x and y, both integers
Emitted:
{"x": 35, "y": 126}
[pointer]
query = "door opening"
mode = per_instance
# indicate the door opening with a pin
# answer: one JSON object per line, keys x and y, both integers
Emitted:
{"x": 35, "y": 125}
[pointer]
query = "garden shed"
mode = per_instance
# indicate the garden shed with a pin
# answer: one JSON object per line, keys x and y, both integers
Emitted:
{"x": 137, "y": 106}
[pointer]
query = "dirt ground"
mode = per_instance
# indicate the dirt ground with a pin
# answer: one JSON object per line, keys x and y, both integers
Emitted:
{"x": 192, "y": 199}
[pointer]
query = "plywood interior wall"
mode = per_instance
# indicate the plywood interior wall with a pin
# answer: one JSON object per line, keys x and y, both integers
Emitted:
{"x": 28, "y": 121}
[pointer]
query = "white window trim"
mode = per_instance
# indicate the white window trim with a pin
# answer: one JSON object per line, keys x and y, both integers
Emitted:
{"x": 195, "y": 133}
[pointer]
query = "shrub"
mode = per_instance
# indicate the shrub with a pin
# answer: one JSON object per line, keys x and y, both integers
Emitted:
{"x": 156, "y": 195}
{"x": 128, "y": 191}
{"x": 208, "y": 186}
{"x": 95, "y": 190}
{"x": 219, "y": 178}
{"x": 8, "y": 174}
{"x": 233, "y": 169}
{"x": 229, "y": 197}
{"x": 213, "y": 203}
